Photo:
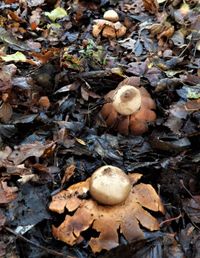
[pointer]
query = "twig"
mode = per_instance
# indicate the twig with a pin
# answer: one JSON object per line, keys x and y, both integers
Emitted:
{"x": 95, "y": 74}
{"x": 171, "y": 219}
{"x": 185, "y": 188}
{"x": 50, "y": 251}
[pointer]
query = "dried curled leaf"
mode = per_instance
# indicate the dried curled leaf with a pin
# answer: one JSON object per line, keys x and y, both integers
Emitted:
{"x": 7, "y": 193}
{"x": 162, "y": 31}
{"x": 151, "y": 6}
{"x": 35, "y": 149}
{"x": 5, "y": 112}
{"x": 106, "y": 220}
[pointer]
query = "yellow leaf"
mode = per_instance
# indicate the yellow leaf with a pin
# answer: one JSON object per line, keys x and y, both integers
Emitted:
{"x": 57, "y": 13}
{"x": 17, "y": 57}
{"x": 80, "y": 141}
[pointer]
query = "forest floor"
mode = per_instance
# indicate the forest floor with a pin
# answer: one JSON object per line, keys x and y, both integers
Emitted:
{"x": 58, "y": 60}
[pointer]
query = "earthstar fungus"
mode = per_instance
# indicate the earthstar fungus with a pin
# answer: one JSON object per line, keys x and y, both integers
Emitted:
{"x": 109, "y": 26}
{"x": 129, "y": 108}
{"x": 87, "y": 213}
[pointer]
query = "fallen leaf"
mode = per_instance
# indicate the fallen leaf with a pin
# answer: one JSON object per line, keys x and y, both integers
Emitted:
{"x": 25, "y": 151}
{"x": 182, "y": 13}
{"x": 151, "y": 6}
{"x": 69, "y": 172}
{"x": 7, "y": 193}
{"x": 5, "y": 112}
{"x": 128, "y": 43}
{"x": 13, "y": 43}
{"x": 187, "y": 92}
{"x": 178, "y": 38}
{"x": 33, "y": 3}
{"x": 106, "y": 220}
{"x": 138, "y": 48}
{"x": 192, "y": 208}
{"x": 57, "y": 13}
{"x": 2, "y": 219}
{"x": 6, "y": 74}
{"x": 2, "y": 249}
{"x": 5, "y": 153}
{"x": 192, "y": 105}
{"x": 17, "y": 57}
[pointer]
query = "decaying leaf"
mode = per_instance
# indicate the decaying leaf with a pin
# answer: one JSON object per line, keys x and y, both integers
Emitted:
{"x": 17, "y": 57}
{"x": 5, "y": 153}
{"x": 187, "y": 92}
{"x": 69, "y": 172}
{"x": 151, "y": 6}
{"x": 25, "y": 151}
{"x": 106, "y": 220}
{"x": 163, "y": 31}
{"x": 7, "y": 193}
{"x": 6, "y": 74}
{"x": 5, "y": 112}
{"x": 32, "y": 3}
{"x": 192, "y": 208}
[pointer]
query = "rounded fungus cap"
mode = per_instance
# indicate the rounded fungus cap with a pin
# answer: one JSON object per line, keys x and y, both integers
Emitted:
{"x": 111, "y": 15}
{"x": 109, "y": 185}
{"x": 127, "y": 100}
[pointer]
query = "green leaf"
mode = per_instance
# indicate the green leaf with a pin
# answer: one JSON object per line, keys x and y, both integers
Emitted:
{"x": 54, "y": 26}
{"x": 189, "y": 92}
{"x": 57, "y": 13}
{"x": 17, "y": 57}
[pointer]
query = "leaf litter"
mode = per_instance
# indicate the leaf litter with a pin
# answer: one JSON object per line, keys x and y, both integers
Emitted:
{"x": 53, "y": 78}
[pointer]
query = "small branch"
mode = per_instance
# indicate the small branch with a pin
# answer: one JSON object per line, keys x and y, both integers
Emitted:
{"x": 50, "y": 251}
{"x": 169, "y": 220}
{"x": 95, "y": 74}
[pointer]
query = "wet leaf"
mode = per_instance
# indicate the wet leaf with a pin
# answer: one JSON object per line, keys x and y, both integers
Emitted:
{"x": 7, "y": 193}
{"x": 187, "y": 92}
{"x": 7, "y": 131}
{"x": 30, "y": 206}
{"x": 6, "y": 74}
{"x": 128, "y": 43}
{"x": 5, "y": 112}
{"x": 105, "y": 219}
{"x": 149, "y": 44}
{"x": 15, "y": 44}
{"x": 69, "y": 172}
{"x": 5, "y": 153}
{"x": 32, "y": 3}
{"x": 178, "y": 38}
{"x": 151, "y": 6}
{"x": 170, "y": 143}
{"x": 138, "y": 48}
{"x": 181, "y": 14}
{"x": 2, "y": 248}
{"x": 25, "y": 151}
{"x": 192, "y": 208}
{"x": 2, "y": 220}
{"x": 156, "y": 245}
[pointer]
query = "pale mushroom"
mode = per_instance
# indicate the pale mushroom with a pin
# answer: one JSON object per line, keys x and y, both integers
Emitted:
{"x": 109, "y": 185}
{"x": 127, "y": 100}
{"x": 110, "y": 27}
{"x": 111, "y": 15}
{"x": 129, "y": 108}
